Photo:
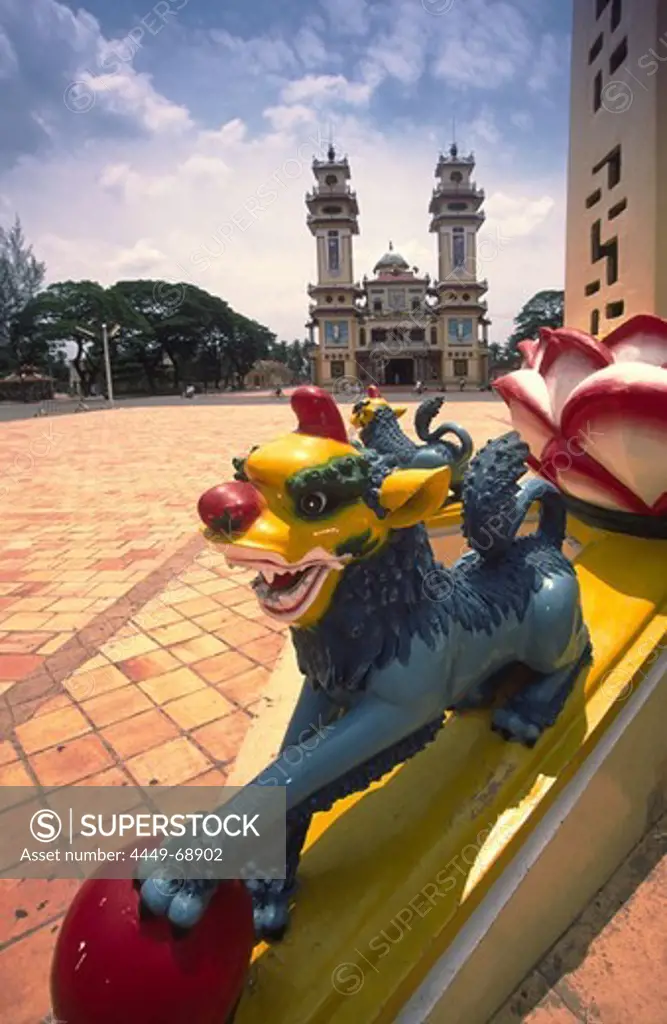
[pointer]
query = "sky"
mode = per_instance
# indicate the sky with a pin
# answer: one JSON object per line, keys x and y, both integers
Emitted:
{"x": 176, "y": 140}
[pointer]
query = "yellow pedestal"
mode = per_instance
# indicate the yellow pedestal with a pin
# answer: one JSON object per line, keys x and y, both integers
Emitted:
{"x": 391, "y": 877}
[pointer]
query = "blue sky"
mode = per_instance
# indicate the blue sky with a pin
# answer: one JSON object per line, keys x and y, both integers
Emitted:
{"x": 135, "y": 137}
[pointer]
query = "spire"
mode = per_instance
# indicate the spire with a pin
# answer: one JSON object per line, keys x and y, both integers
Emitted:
{"x": 454, "y": 149}
{"x": 391, "y": 246}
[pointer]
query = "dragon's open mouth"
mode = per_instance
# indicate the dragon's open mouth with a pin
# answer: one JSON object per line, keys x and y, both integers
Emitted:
{"x": 285, "y": 590}
{"x": 287, "y": 594}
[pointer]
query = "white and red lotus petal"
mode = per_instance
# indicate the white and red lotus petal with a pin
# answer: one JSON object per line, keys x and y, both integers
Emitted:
{"x": 618, "y": 418}
{"x": 569, "y": 358}
{"x": 640, "y": 339}
{"x": 575, "y": 472}
{"x": 536, "y": 394}
{"x": 528, "y": 350}
{"x": 527, "y": 397}
{"x": 533, "y": 350}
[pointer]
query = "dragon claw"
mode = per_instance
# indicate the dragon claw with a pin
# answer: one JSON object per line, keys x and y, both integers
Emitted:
{"x": 182, "y": 902}
{"x": 515, "y": 728}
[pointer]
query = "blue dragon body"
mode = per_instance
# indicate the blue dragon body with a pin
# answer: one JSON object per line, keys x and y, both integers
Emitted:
{"x": 383, "y": 434}
{"x": 406, "y": 638}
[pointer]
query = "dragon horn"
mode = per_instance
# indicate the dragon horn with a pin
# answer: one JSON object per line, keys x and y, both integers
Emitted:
{"x": 373, "y": 391}
{"x": 318, "y": 414}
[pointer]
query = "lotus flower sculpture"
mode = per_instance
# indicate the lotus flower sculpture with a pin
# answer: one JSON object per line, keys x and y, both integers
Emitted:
{"x": 594, "y": 415}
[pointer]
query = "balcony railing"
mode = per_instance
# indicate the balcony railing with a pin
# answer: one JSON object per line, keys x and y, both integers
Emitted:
{"x": 452, "y": 190}
{"x": 332, "y": 192}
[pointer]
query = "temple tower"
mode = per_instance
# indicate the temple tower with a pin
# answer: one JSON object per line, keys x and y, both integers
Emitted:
{"x": 333, "y": 221}
{"x": 456, "y": 217}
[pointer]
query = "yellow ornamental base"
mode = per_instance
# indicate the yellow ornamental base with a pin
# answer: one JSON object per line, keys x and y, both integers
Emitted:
{"x": 429, "y": 896}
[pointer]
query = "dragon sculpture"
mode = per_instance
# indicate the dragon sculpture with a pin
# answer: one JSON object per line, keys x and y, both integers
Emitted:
{"x": 387, "y": 639}
{"x": 379, "y": 429}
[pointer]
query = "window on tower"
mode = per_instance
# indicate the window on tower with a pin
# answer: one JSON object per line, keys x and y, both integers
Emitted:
{"x": 460, "y": 330}
{"x": 333, "y": 251}
{"x": 458, "y": 248}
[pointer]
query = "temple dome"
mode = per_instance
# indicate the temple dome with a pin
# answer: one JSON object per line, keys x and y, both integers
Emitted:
{"x": 391, "y": 261}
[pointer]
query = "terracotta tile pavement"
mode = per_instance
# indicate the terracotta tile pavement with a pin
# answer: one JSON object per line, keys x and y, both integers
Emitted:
{"x": 610, "y": 967}
{"x": 129, "y": 653}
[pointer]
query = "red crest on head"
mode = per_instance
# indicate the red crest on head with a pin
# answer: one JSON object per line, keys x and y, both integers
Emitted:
{"x": 318, "y": 414}
{"x": 373, "y": 391}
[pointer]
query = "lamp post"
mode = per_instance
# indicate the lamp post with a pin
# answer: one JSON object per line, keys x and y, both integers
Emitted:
{"x": 106, "y": 335}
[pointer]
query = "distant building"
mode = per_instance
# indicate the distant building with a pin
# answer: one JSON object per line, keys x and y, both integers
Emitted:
{"x": 617, "y": 203}
{"x": 398, "y": 326}
{"x": 267, "y": 373}
{"x": 26, "y": 386}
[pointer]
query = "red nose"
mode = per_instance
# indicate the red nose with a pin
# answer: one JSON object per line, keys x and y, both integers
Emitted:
{"x": 230, "y": 508}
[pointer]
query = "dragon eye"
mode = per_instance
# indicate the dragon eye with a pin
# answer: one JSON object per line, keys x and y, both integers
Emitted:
{"x": 313, "y": 504}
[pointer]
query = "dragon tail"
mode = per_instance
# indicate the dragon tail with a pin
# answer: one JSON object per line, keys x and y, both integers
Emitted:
{"x": 495, "y": 505}
{"x": 425, "y": 413}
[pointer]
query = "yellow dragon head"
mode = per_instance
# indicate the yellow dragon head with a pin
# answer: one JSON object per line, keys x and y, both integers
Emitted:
{"x": 364, "y": 410}
{"x": 306, "y": 505}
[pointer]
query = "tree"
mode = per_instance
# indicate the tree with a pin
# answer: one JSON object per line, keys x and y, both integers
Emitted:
{"x": 199, "y": 335}
{"x": 248, "y": 342}
{"x": 545, "y": 309}
{"x": 139, "y": 351}
{"x": 56, "y": 315}
{"x": 500, "y": 358}
{"x": 21, "y": 277}
{"x": 298, "y": 360}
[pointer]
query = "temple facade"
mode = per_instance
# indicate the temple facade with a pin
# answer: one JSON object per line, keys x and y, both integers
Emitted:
{"x": 398, "y": 326}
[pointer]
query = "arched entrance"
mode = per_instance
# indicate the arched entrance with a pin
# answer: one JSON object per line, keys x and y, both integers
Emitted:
{"x": 400, "y": 372}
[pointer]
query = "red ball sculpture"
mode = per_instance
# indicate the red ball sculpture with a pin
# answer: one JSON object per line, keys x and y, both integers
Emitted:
{"x": 230, "y": 508}
{"x": 112, "y": 966}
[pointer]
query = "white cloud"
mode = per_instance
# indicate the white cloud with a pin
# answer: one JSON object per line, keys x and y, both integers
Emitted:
{"x": 258, "y": 55}
{"x": 311, "y": 49}
{"x": 483, "y": 128}
{"x": 517, "y": 216}
{"x": 131, "y": 94}
{"x": 284, "y": 117}
{"x": 8, "y": 59}
{"x": 522, "y": 119}
{"x": 548, "y": 63}
{"x": 484, "y": 45}
{"x": 400, "y": 51}
{"x": 349, "y": 17}
{"x": 142, "y": 259}
{"x": 325, "y": 88}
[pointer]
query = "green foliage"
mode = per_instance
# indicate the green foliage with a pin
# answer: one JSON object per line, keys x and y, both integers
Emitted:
{"x": 545, "y": 309}
{"x": 21, "y": 277}
{"x": 294, "y": 355}
{"x": 501, "y": 358}
{"x": 169, "y": 335}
